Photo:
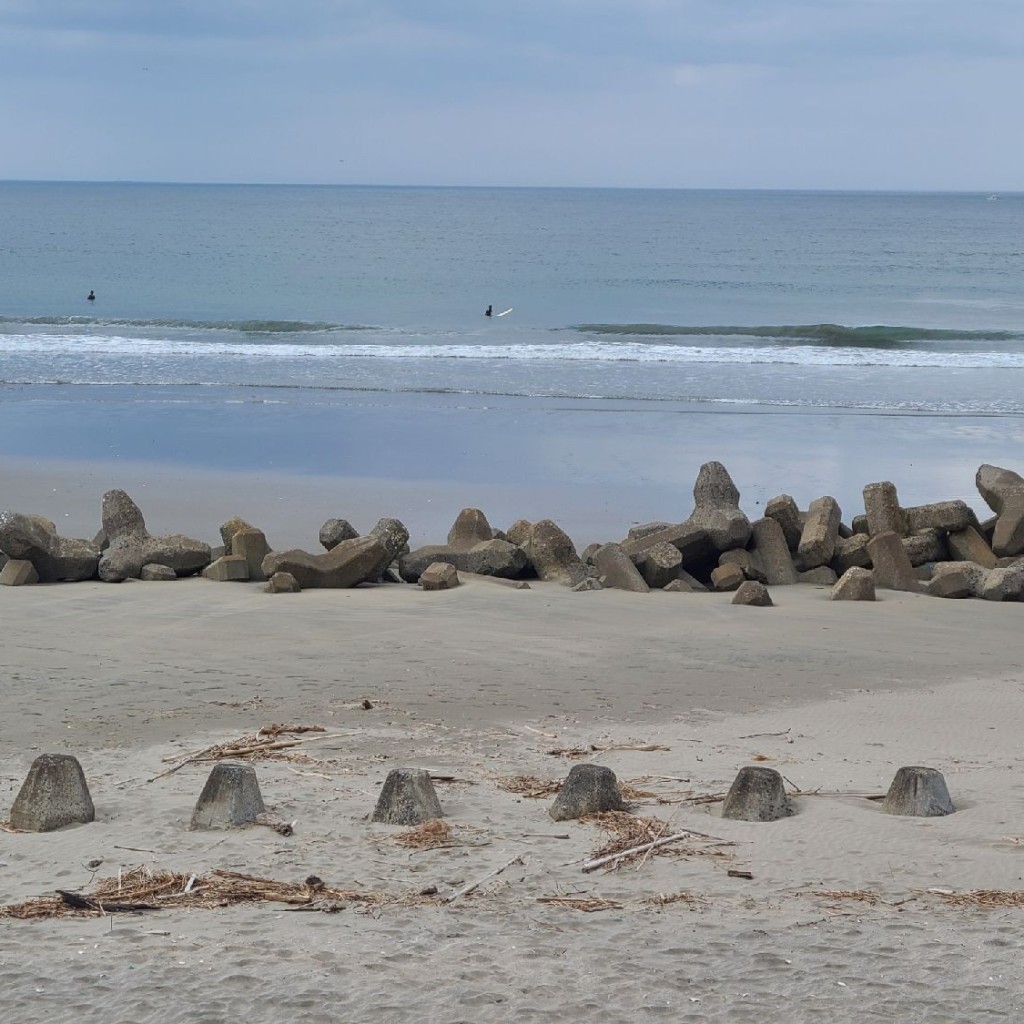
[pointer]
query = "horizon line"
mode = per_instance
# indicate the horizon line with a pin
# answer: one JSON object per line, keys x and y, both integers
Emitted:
{"x": 592, "y": 188}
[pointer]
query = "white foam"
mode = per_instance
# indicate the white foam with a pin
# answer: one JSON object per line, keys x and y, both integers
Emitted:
{"x": 599, "y": 351}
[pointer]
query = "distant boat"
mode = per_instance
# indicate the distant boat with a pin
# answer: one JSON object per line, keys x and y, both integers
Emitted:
{"x": 993, "y": 196}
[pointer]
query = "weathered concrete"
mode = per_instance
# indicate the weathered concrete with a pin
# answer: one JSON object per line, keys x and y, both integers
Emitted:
{"x": 282, "y": 583}
{"x": 393, "y": 538}
{"x": 54, "y": 794}
{"x": 18, "y": 572}
{"x": 752, "y": 593}
{"x": 519, "y": 533}
{"x": 717, "y": 508}
{"x": 820, "y": 532}
{"x": 439, "y": 576}
{"x": 773, "y": 551}
{"x": 856, "y": 584}
{"x": 918, "y": 792}
{"x": 334, "y": 531}
{"x": 229, "y": 529}
{"x": 227, "y": 569}
{"x": 646, "y": 529}
{"x": 346, "y": 565}
{"x": 968, "y": 545}
{"x": 851, "y": 552}
{"x": 746, "y": 560}
{"x": 783, "y": 509}
{"x": 34, "y": 539}
{"x": 153, "y": 573}
{"x": 926, "y": 546}
{"x": 588, "y": 789}
{"x": 1004, "y": 584}
{"x": 757, "y": 794}
{"x": 690, "y": 540}
{"x": 616, "y": 570}
{"x": 957, "y": 579}
{"x": 496, "y": 558}
{"x": 552, "y": 554}
{"x": 882, "y": 507}
{"x": 469, "y": 529}
{"x": 727, "y": 577}
{"x": 590, "y": 583}
{"x": 131, "y": 546}
{"x": 1003, "y": 491}
{"x": 820, "y": 576}
{"x": 890, "y": 565}
{"x": 408, "y": 798}
{"x": 660, "y": 565}
{"x": 940, "y": 515}
{"x": 251, "y": 544}
{"x": 230, "y": 798}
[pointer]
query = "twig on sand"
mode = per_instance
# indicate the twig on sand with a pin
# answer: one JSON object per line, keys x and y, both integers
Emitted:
{"x": 597, "y": 862}
{"x": 265, "y": 743}
{"x": 758, "y": 735}
{"x": 466, "y": 889}
{"x": 593, "y": 748}
{"x": 588, "y": 904}
{"x": 540, "y": 732}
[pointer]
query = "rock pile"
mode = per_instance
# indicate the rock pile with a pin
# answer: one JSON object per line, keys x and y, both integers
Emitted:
{"x": 941, "y": 549}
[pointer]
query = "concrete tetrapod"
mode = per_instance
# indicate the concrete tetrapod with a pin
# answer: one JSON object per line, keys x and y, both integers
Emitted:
{"x": 231, "y": 797}
{"x": 588, "y": 789}
{"x": 408, "y": 798}
{"x": 53, "y": 795}
{"x": 757, "y": 794}
{"x": 918, "y": 792}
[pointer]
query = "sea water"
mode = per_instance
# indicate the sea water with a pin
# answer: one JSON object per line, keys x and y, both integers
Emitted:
{"x": 329, "y": 303}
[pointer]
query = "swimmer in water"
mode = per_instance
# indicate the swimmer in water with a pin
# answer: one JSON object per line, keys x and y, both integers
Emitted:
{"x": 489, "y": 311}
{"x": 91, "y": 296}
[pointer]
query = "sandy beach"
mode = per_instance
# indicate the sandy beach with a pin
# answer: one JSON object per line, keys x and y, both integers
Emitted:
{"x": 479, "y": 685}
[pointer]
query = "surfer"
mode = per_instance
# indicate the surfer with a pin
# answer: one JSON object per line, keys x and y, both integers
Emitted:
{"x": 489, "y": 311}
{"x": 91, "y": 296}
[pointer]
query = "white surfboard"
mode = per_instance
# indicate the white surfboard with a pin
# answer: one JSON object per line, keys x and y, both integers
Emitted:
{"x": 504, "y": 312}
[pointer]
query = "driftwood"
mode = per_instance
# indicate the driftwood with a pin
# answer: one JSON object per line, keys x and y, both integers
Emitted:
{"x": 79, "y": 902}
{"x": 596, "y": 862}
{"x": 466, "y": 889}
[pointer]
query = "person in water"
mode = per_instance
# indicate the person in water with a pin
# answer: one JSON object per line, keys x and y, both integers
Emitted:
{"x": 489, "y": 311}
{"x": 91, "y": 296}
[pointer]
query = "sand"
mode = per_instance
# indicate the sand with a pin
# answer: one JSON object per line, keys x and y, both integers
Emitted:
{"x": 479, "y": 684}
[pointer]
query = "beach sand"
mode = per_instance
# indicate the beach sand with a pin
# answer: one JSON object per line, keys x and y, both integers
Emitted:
{"x": 479, "y": 684}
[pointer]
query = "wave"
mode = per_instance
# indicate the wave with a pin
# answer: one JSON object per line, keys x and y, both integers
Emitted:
{"x": 54, "y": 346}
{"x": 877, "y": 336}
{"x": 262, "y": 327}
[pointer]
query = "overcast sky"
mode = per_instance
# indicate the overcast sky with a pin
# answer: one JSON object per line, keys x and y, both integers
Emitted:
{"x": 902, "y": 94}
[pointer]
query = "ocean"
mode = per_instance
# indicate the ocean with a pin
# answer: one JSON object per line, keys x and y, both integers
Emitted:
{"x": 306, "y": 317}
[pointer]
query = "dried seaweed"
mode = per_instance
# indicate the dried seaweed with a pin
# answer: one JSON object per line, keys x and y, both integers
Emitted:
{"x": 529, "y": 786}
{"x": 141, "y": 888}
{"x": 265, "y": 744}
{"x": 988, "y": 898}
{"x": 862, "y": 895}
{"x": 665, "y": 899}
{"x": 428, "y": 836}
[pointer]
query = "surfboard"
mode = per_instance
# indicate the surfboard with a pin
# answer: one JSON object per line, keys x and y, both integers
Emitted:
{"x": 504, "y": 312}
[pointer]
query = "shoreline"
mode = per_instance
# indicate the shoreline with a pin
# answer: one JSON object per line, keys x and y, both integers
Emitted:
{"x": 595, "y": 468}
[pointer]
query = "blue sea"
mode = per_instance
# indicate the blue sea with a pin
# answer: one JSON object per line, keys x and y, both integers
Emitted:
{"x": 320, "y": 304}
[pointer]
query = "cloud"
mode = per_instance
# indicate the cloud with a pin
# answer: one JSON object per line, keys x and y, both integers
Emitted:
{"x": 838, "y": 93}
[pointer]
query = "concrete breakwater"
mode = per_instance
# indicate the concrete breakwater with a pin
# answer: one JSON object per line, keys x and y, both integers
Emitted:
{"x": 942, "y": 549}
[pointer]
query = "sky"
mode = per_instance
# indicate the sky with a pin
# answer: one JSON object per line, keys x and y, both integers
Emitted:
{"x": 830, "y": 94}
